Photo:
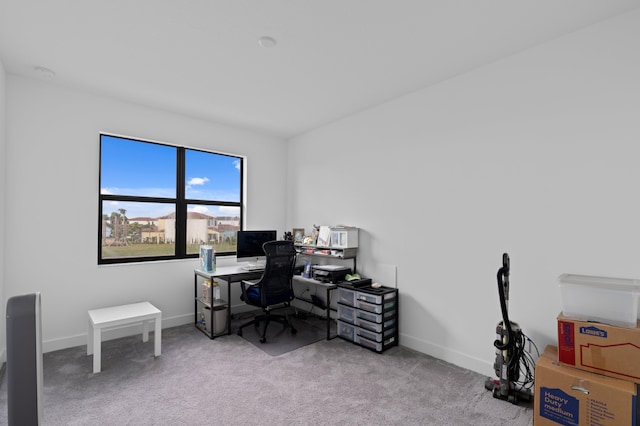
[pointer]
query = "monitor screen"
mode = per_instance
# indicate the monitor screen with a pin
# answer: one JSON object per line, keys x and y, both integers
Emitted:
{"x": 250, "y": 243}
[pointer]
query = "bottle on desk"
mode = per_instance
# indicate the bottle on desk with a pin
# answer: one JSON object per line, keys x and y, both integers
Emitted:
{"x": 215, "y": 290}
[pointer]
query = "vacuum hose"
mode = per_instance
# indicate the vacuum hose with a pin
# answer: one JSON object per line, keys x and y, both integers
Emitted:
{"x": 503, "y": 291}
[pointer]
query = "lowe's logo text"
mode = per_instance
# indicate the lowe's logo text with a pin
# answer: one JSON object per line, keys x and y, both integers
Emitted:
{"x": 593, "y": 331}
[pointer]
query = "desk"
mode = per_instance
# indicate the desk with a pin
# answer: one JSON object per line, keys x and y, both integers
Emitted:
{"x": 225, "y": 273}
{"x": 237, "y": 274}
{"x": 328, "y": 289}
{"x": 121, "y": 315}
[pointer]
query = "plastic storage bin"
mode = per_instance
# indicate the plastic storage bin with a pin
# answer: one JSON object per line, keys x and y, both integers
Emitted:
{"x": 608, "y": 300}
{"x": 346, "y": 331}
{"x": 376, "y": 346}
{"x": 347, "y": 314}
{"x": 377, "y": 327}
{"x": 378, "y": 309}
{"x": 369, "y": 316}
{"x": 346, "y": 296}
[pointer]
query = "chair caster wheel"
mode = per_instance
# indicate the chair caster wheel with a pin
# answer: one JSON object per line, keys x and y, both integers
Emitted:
{"x": 263, "y": 339}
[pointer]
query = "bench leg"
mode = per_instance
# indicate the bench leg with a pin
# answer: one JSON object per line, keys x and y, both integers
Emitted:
{"x": 157, "y": 336}
{"x": 90, "y": 339}
{"x": 97, "y": 349}
{"x": 145, "y": 331}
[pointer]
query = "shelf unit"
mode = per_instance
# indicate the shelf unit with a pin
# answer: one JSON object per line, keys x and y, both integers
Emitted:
{"x": 227, "y": 274}
{"x": 343, "y": 246}
{"x": 368, "y": 316}
{"x": 329, "y": 253}
{"x": 209, "y": 326}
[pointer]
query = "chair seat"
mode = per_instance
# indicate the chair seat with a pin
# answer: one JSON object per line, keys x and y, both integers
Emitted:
{"x": 253, "y": 296}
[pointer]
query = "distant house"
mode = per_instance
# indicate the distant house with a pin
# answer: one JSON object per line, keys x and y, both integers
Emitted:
{"x": 201, "y": 228}
{"x": 227, "y": 232}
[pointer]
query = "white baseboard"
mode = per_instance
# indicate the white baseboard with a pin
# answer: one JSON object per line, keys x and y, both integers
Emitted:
{"x": 110, "y": 334}
{"x": 454, "y": 357}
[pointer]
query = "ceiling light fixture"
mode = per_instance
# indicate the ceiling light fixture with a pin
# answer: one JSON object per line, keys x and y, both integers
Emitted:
{"x": 43, "y": 72}
{"x": 266, "y": 41}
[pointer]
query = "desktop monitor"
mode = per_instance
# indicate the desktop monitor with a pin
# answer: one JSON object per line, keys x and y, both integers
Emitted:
{"x": 249, "y": 248}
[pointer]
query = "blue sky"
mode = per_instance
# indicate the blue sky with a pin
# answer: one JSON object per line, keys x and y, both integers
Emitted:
{"x": 144, "y": 168}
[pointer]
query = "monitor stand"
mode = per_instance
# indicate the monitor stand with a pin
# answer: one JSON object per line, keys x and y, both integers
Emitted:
{"x": 254, "y": 266}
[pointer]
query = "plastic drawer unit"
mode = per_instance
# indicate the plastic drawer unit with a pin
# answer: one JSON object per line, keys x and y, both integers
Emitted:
{"x": 368, "y": 316}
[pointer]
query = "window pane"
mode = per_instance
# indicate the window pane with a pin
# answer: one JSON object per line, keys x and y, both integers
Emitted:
{"x": 130, "y": 167}
{"x": 212, "y": 177}
{"x": 215, "y": 225}
{"x": 137, "y": 229}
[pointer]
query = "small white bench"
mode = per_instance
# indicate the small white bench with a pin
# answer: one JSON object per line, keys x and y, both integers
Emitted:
{"x": 121, "y": 315}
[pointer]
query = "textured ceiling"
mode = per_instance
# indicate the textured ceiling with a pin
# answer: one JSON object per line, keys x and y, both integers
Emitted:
{"x": 332, "y": 58}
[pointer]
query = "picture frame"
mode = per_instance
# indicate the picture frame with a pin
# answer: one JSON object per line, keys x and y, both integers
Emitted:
{"x": 298, "y": 235}
{"x": 324, "y": 237}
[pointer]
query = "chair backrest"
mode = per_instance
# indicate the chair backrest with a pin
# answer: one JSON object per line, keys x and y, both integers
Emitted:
{"x": 275, "y": 284}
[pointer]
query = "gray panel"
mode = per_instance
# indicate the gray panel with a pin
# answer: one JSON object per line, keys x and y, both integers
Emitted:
{"x": 24, "y": 360}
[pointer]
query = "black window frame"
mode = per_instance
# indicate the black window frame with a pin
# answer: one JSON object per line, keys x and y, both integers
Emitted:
{"x": 180, "y": 203}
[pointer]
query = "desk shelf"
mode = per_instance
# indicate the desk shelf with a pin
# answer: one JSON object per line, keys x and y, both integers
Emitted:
{"x": 228, "y": 274}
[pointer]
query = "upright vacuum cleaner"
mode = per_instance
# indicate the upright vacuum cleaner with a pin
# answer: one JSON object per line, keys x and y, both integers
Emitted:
{"x": 512, "y": 361}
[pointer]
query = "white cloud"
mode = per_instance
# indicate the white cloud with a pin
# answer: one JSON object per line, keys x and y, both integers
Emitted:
{"x": 197, "y": 181}
{"x": 236, "y": 164}
{"x": 229, "y": 210}
{"x": 200, "y": 209}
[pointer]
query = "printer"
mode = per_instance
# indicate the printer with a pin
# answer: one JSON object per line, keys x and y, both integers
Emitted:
{"x": 330, "y": 273}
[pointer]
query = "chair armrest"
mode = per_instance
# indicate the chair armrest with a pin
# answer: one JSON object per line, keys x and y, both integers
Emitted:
{"x": 243, "y": 288}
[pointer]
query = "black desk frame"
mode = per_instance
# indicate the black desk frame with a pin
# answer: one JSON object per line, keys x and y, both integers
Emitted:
{"x": 225, "y": 273}
{"x": 232, "y": 274}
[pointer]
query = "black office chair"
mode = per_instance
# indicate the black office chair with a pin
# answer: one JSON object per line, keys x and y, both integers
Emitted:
{"x": 274, "y": 289}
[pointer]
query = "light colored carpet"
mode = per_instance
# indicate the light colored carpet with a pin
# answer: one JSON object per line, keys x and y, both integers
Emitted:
{"x": 229, "y": 381}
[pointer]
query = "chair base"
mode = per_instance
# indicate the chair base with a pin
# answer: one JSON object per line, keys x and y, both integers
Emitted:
{"x": 267, "y": 318}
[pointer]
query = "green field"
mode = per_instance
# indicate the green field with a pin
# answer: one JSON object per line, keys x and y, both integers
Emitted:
{"x": 150, "y": 250}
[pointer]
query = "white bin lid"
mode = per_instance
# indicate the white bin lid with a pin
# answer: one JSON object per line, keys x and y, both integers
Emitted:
{"x": 609, "y": 283}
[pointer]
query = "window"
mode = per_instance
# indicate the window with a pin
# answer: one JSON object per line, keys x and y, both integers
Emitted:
{"x": 161, "y": 202}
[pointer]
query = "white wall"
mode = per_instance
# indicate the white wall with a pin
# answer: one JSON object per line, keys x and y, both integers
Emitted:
{"x": 2, "y": 221}
{"x": 535, "y": 155}
{"x": 51, "y": 200}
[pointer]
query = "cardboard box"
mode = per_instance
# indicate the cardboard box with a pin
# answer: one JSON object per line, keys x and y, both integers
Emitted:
{"x": 568, "y": 396}
{"x": 600, "y": 348}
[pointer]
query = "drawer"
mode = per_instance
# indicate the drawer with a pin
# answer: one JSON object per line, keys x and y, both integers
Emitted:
{"x": 346, "y": 331}
{"x": 376, "y": 337}
{"x": 346, "y": 296}
{"x": 376, "y": 346}
{"x": 346, "y": 313}
{"x": 377, "y": 318}
{"x": 375, "y": 298}
{"x": 372, "y": 307}
{"x": 374, "y": 326}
